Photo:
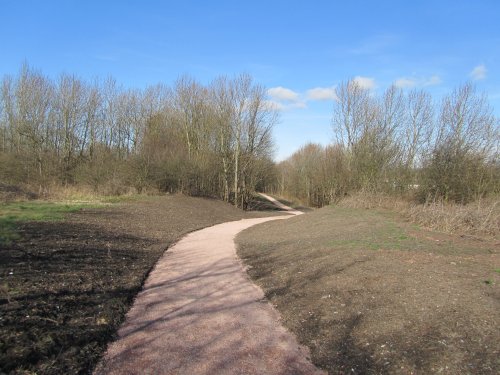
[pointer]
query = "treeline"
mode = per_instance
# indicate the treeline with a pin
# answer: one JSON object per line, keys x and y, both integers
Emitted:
{"x": 216, "y": 140}
{"x": 210, "y": 140}
{"x": 401, "y": 144}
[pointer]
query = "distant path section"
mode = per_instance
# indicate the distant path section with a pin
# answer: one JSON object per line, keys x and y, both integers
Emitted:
{"x": 200, "y": 314}
{"x": 277, "y": 203}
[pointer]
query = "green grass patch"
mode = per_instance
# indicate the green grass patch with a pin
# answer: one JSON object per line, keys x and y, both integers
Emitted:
{"x": 35, "y": 211}
{"x": 125, "y": 198}
{"x": 381, "y": 234}
{"x": 11, "y": 214}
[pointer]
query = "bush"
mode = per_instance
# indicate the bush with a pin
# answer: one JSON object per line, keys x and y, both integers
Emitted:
{"x": 455, "y": 175}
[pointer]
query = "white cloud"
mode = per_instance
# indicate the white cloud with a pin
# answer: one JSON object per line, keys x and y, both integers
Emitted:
{"x": 322, "y": 93}
{"x": 282, "y": 93}
{"x": 365, "y": 82}
{"x": 284, "y": 99}
{"x": 404, "y": 82}
{"x": 479, "y": 72}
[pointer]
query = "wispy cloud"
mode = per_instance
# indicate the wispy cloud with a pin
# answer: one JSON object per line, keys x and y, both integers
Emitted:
{"x": 273, "y": 104}
{"x": 321, "y": 93}
{"x": 433, "y": 80}
{"x": 365, "y": 82}
{"x": 404, "y": 83}
{"x": 280, "y": 106}
{"x": 299, "y": 104}
{"x": 409, "y": 82}
{"x": 282, "y": 93}
{"x": 479, "y": 72}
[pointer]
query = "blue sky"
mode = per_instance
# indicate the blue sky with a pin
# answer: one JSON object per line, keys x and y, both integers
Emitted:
{"x": 299, "y": 50}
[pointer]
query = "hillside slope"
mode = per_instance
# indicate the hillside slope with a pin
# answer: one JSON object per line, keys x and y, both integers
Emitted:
{"x": 368, "y": 293}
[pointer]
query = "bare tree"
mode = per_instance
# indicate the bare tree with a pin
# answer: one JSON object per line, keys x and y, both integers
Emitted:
{"x": 459, "y": 167}
{"x": 419, "y": 127}
{"x": 69, "y": 105}
{"x": 221, "y": 96}
{"x": 367, "y": 127}
{"x": 33, "y": 95}
{"x": 354, "y": 113}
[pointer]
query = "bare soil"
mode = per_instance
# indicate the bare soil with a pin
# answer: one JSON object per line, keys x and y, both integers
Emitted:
{"x": 66, "y": 286}
{"x": 369, "y": 293}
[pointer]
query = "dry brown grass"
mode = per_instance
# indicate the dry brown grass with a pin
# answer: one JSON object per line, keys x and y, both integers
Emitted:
{"x": 480, "y": 218}
{"x": 369, "y": 200}
{"x": 74, "y": 194}
{"x": 87, "y": 193}
{"x": 12, "y": 193}
{"x": 477, "y": 218}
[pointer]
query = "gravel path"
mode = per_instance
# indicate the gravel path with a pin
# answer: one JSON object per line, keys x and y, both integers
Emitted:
{"x": 200, "y": 314}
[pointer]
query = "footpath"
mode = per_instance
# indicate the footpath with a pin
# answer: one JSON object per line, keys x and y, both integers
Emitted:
{"x": 199, "y": 313}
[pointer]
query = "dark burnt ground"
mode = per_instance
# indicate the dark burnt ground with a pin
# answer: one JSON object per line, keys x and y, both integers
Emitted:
{"x": 372, "y": 294}
{"x": 66, "y": 286}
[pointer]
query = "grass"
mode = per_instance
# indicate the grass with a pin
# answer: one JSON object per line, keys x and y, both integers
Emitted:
{"x": 369, "y": 292}
{"x": 15, "y": 212}
{"x": 377, "y": 235}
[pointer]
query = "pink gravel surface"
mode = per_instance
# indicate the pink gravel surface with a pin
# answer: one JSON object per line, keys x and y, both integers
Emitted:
{"x": 200, "y": 314}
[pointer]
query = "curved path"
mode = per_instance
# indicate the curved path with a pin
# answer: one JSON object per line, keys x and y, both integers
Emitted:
{"x": 277, "y": 203}
{"x": 200, "y": 314}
